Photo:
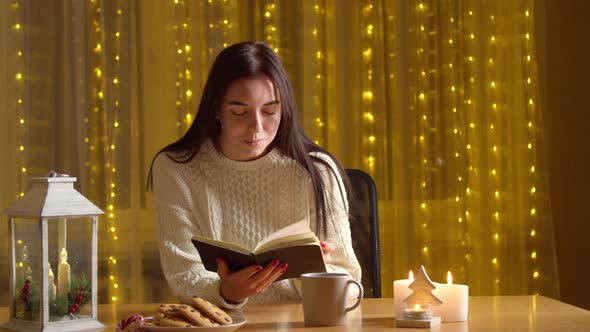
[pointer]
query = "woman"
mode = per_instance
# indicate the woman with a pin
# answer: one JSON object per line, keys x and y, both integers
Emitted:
{"x": 243, "y": 170}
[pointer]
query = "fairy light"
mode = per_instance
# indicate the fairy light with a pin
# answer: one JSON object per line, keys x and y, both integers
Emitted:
{"x": 270, "y": 22}
{"x": 185, "y": 104}
{"x": 469, "y": 105}
{"x": 494, "y": 155}
{"x": 530, "y": 88}
{"x": 114, "y": 129}
{"x": 367, "y": 93}
{"x": 450, "y": 31}
{"x": 20, "y": 80}
{"x": 316, "y": 60}
{"x": 423, "y": 29}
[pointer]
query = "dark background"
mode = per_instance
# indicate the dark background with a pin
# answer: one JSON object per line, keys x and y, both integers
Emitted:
{"x": 564, "y": 71}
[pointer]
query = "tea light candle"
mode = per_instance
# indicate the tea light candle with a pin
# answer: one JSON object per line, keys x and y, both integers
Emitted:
{"x": 400, "y": 292}
{"x": 456, "y": 301}
{"x": 417, "y": 312}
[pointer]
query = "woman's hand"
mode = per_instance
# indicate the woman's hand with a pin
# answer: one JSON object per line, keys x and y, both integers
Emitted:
{"x": 327, "y": 249}
{"x": 239, "y": 285}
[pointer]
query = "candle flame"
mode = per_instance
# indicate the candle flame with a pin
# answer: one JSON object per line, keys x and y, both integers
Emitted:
{"x": 449, "y": 278}
{"x": 417, "y": 306}
{"x": 411, "y": 275}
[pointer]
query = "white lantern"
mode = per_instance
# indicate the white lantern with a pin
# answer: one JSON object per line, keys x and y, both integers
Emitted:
{"x": 53, "y": 235}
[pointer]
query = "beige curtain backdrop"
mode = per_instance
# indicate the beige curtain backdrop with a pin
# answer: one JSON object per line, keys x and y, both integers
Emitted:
{"x": 437, "y": 100}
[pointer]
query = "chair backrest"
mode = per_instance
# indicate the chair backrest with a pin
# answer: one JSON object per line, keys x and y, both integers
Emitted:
{"x": 364, "y": 226}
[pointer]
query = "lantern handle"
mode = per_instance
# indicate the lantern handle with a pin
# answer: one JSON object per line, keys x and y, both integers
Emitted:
{"x": 54, "y": 174}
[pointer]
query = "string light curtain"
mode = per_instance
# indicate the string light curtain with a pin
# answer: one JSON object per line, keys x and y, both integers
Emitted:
{"x": 437, "y": 100}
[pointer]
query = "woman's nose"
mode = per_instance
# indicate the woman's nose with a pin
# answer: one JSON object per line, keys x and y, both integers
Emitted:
{"x": 256, "y": 122}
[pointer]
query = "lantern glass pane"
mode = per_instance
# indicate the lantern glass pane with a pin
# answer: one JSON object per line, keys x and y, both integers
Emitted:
{"x": 27, "y": 254}
{"x": 70, "y": 258}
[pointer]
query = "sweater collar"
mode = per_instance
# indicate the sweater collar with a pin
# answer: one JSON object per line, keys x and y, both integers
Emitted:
{"x": 265, "y": 161}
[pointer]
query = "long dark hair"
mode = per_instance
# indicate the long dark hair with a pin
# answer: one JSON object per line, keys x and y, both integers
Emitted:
{"x": 255, "y": 59}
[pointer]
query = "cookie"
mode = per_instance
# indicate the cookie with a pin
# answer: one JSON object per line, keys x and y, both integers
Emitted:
{"x": 169, "y": 310}
{"x": 212, "y": 311}
{"x": 154, "y": 320}
{"x": 174, "y": 322}
{"x": 195, "y": 316}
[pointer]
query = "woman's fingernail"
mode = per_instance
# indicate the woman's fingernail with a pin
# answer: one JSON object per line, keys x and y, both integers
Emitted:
{"x": 283, "y": 266}
{"x": 275, "y": 262}
{"x": 323, "y": 244}
{"x": 282, "y": 271}
{"x": 258, "y": 268}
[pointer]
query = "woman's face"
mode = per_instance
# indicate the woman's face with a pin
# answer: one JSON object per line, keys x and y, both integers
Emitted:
{"x": 250, "y": 115}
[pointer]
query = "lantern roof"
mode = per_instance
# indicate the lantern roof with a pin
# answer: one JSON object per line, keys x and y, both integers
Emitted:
{"x": 52, "y": 196}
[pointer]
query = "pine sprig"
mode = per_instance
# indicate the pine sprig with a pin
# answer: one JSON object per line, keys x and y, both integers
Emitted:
{"x": 27, "y": 298}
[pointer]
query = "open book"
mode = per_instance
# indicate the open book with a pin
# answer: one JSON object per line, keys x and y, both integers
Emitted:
{"x": 295, "y": 245}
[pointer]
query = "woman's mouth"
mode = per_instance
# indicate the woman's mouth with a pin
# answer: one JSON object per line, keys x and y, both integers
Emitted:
{"x": 253, "y": 142}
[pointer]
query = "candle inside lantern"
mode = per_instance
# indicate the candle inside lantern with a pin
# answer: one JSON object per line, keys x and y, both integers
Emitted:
{"x": 400, "y": 292}
{"x": 51, "y": 282}
{"x": 63, "y": 273}
{"x": 22, "y": 267}
{"x": 61, "y": 233}
{"x": 456, "y": 301}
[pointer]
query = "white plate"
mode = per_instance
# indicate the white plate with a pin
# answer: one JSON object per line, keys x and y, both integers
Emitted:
{"x": 238, "y": 321}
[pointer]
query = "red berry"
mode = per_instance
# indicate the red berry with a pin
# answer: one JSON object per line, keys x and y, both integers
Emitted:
{"x": 78, "y": 298}
{"x": 82, "y": 288}
{"x": 27, "y": 281}
{"x": 75, "y": 305}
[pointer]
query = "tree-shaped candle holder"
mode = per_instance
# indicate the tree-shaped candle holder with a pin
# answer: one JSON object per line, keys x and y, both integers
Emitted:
{"x": 418, "y": 305}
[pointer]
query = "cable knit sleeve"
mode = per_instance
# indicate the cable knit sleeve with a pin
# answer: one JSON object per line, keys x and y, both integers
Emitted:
{"x": 338, "y": 225}
{"x": 175, "y": 225}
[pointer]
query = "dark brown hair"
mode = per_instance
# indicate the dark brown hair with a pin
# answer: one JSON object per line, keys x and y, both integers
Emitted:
{"x": 255, "y": 59}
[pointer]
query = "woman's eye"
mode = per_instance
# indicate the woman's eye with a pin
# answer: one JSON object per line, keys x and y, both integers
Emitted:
{"x": 270, "y": 112}
{"x": 238, "y": 113}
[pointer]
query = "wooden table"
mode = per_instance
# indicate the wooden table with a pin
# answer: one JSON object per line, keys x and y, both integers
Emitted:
{"x": 486, "y": 313}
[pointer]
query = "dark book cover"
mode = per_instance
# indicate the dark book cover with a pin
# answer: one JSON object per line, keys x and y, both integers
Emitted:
{"x": 301, "y": 258}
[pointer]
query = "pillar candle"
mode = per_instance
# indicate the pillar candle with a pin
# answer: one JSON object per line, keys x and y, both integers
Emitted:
{"x": 63, "y": 273}
{"x": 456, "y": 301}
{"x": 400, "y": 292}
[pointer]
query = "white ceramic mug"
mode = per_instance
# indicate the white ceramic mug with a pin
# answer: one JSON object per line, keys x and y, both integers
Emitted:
{"x": 325, "y": 296}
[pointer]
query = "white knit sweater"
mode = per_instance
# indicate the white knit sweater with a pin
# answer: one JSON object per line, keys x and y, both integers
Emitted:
{"x": 240, "y": 202}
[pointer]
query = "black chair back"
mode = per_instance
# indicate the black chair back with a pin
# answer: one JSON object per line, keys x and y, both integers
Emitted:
{"x": 364, "y": 226}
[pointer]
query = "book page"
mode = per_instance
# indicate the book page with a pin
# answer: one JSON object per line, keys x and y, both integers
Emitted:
{"x": 300, "y": 227}
{"x": 223, "y": 244}
{"x": 295, "y": 240}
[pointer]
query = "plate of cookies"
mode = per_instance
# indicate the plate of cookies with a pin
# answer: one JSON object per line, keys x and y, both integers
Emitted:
{"x": 199, "y": 316}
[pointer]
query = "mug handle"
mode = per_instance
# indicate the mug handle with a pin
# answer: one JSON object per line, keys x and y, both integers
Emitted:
{"x": 361, "y": 294}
